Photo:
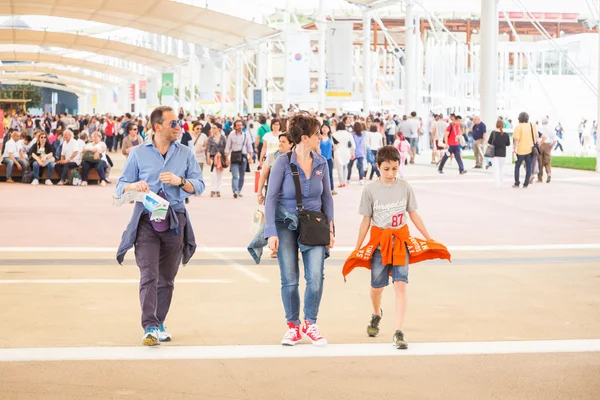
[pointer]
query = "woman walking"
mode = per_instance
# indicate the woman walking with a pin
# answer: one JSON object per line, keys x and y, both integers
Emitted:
{"x": 326, "y": 148}
{"x": 360, "y": 152}
{"x": 343, "y": 153}
{"x": 217, "y": 159}
{"x": 309, "y": 169}
{"x": 500, "y": 141}
{"x": 132, "y": 139}
{"x": 200, "y": 143}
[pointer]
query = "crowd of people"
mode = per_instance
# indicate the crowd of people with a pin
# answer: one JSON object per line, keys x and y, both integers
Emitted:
{"x": 39, "y": 145}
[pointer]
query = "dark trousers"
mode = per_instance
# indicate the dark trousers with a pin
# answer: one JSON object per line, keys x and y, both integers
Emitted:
{"x": 374, "y": 169}
{"x": 359, "y": 165}
{"x": 158, "y": 255}
{"x": 110, "y": 143}
{"x": 330, "y": 164}
{"x": 99, "y": 166}
{"x": 528, "y": 158}
{"x": 456, "y": 151}
{"x": 389, "y": 139}
{"x": 63, "y": 169}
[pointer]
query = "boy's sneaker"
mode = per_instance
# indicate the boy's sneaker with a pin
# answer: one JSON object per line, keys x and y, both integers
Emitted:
{"x": 373, "y": 328}
{"x": 312, "y": 331}
{"x": 49, "y": 182}
{"x": 292, "y": 336}
{"x": 151, "y": 337}
{"x": 35, "y": 182}
{"x": 399, "y": 341}
{"x": 163, "y": 335}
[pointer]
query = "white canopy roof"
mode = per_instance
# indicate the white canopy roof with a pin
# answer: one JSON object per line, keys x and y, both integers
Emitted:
{"x": 72, "y": 89}
{"x": 208, "y": 28}
{"x": 42, "y": 69}
{"x": 49, "y": 58}
{"x": 71, "y": 41}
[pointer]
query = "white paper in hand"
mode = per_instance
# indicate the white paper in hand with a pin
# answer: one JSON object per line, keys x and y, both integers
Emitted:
{"x": 156, "y": 205}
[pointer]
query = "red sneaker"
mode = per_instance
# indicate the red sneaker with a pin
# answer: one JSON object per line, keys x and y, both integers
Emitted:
{"x": 292, "y": 336}
{"x": 312, "y": 331}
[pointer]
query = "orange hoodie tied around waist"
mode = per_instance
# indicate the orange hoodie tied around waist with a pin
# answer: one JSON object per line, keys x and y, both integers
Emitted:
{"x": 418, "y": 249}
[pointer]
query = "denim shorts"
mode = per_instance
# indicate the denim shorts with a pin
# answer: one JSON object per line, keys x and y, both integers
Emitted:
{"x": 380, "y": 274}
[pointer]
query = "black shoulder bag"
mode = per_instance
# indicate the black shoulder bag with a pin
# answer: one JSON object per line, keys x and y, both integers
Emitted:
{"x": 313, "y": 226}
{"x": 237, "y": 156}
{"x": 535, "y": 149}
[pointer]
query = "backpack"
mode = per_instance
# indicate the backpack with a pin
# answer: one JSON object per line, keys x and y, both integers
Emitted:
{"x": 27, "y": 176}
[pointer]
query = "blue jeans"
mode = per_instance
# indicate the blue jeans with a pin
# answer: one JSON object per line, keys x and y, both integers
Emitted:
{"x": 36, "y": 170}
{"x": 359, "y": 165}
{"x": 10, "y": 164}
{"x": 456, "y": 151}
{"x": 528, "y": 158}
{"x": 239, "y": 172}
{"x": 99, "y": 166}
{"x": 313, "y": 259}
{"x": 330, "y": 165}
{"x": 380, "y": 274}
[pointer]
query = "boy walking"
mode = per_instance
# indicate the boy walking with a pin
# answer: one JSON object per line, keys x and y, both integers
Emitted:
{"x": 385, "y": 206}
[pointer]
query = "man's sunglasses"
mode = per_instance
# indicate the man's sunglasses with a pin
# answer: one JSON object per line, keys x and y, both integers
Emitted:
{"x": 173, "y": 124}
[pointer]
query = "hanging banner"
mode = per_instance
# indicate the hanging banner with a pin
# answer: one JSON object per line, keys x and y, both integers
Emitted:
{"x": 132, "y": 92}
{"x": 297, "y": 81}
{"x": 168, "y": 84}
{"x": 339, "y": 59}
{"x": 208, "y": 83}
{"x": 142, "y": 85}
{"x": 94, "y": 101}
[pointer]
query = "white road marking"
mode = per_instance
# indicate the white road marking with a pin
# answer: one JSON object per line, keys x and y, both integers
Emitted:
{"x": 216, "y": 250}
{"x": 83, "y": 281}
{"x": 171, "y": 352}
{"x": 246, "y": 271}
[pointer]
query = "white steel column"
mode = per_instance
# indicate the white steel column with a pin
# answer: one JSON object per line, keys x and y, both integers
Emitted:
{"x": 286, "y": 77}
{"x": 224, "y": 88}
{"x": 322, "y": 25}
{"x": 367, "y": 84}
{"x": 238, "y": 101}
{"x": 410, "y": 59}
{"x": 489, "y": 71}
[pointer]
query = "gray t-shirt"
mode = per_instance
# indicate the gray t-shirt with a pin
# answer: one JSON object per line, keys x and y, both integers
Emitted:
{"x": 388, "y": 205}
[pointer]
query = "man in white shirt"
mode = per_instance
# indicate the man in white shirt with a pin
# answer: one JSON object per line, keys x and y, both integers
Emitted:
{"x": 12, "y": 155}
{"x": 70, "y": 156}
{"x": 548, "y": 142}
{"x": 414, "y": 131}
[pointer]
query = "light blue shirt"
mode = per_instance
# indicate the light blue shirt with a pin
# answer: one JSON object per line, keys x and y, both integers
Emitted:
{"x": 145, "y": 163}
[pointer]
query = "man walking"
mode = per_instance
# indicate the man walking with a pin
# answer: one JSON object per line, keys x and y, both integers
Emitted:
{"x": 453, "y": 146}
{"x": 169, "y": 169}
{"x": 237, "y": 149}
{"x": 478, "y": 132}
{"x": 545, "y": 158}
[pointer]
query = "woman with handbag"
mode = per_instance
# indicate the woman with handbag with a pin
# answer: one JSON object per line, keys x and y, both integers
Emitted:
{"x": 217, "y": 159}
{"x": 525, "y": 142}
{"x": 94, "y": 155}
{"x": 496, "y": 150}
{"x": 299, "y": 216}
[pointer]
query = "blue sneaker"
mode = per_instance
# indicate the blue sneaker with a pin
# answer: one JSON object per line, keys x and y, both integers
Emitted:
{"x": 163, "y": 335}
{"x": 151, "y": 337}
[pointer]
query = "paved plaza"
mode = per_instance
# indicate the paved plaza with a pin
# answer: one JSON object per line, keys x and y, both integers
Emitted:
{"x": 516, "y": 315}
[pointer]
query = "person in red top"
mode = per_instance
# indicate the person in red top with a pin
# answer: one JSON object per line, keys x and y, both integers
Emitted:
{"x": 452, "y": 145}
{"x": 109, "y": 131}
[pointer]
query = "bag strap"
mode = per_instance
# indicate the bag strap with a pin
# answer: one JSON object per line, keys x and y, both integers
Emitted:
{"x": 532, "y": 137}
{"x": 296, "y": 176}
